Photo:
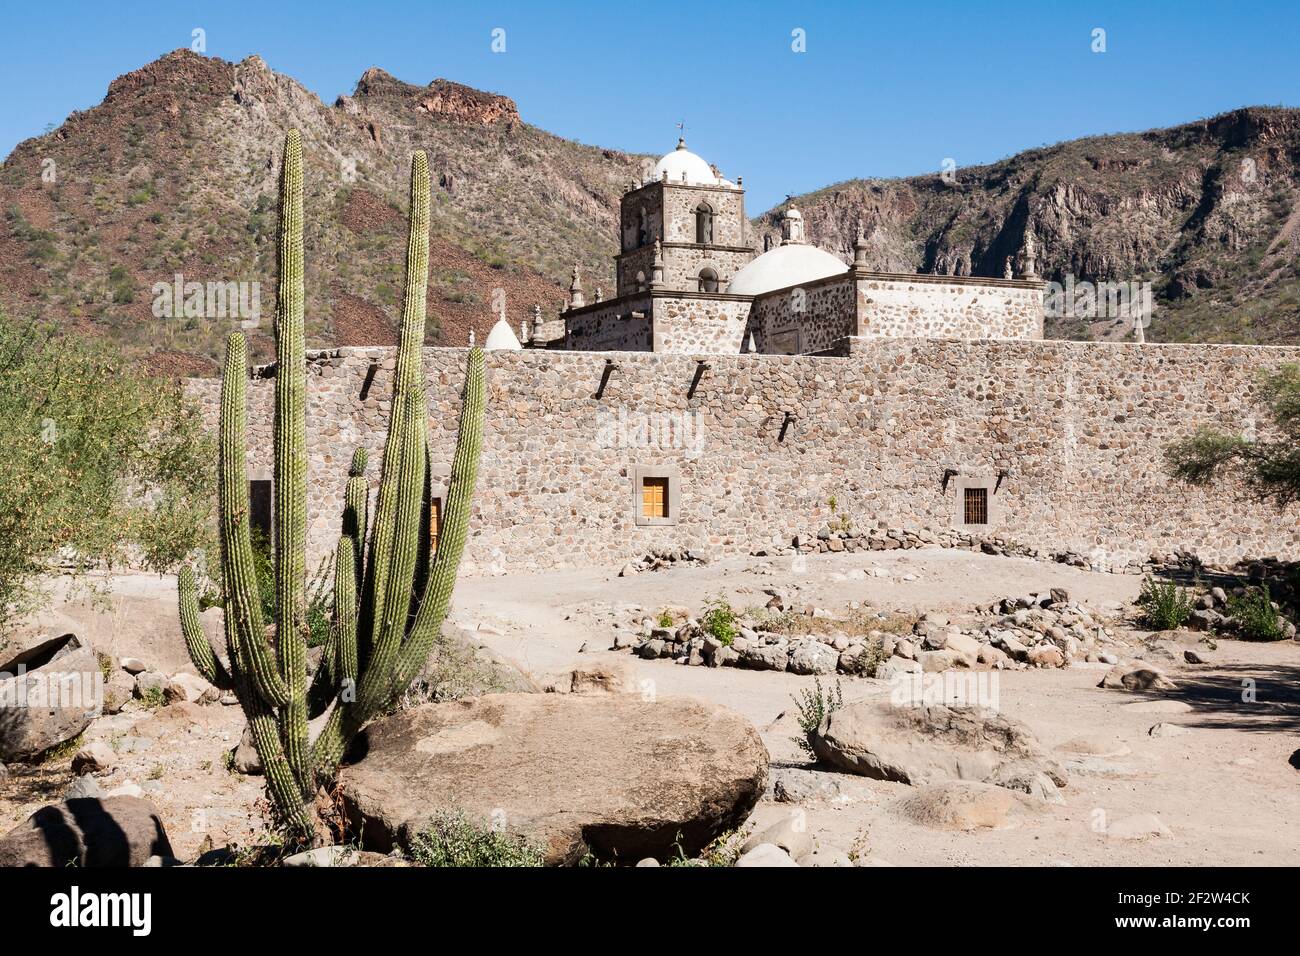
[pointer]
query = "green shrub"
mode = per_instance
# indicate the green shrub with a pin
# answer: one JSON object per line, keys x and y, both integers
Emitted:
{"x": 665, "y": 619}
{"x": 85, "y": 433}
{"x": 1255, "y": 616}
{"x": 813, "y": 706}
{"x": 723, "y": 851}
{"x": 1165, "y": 606}
{"x": 449, "y": 839}
{"x": 719, "y": 620}
{"x": 152, "y": 697}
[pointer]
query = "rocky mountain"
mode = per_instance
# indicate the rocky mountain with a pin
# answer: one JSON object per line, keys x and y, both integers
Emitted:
{"x": 175, "y": 173}
{"x": 1208, "y": 212}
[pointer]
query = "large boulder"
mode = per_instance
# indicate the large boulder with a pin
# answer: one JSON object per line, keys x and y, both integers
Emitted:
{"x": 930, "y": 744}
{"x": 765, "y": 657}
{"x": 113, "y": 831}
{"x": 48, "y": 694}
{"x": 814, "y": 657}
{"x": 612, "y": 775}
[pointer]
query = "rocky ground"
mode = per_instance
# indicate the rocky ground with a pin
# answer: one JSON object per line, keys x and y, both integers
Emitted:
{"x": 1202, "y": 772}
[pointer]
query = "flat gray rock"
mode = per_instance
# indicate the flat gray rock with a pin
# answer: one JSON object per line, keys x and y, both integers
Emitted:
{"x": 612, "y": 775}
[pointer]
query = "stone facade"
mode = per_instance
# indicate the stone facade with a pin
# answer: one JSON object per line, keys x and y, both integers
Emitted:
{"x": 659, "y": 322}
{"x": 946, "y": 307}
{"x": 666, "y": 211}
{"x": 707, "y": 324}
{"x": 1066, "y": 439}
{"x": 820, "y": 317}
{"x": 817, "y": 317}
{"x": 617, "y": 325}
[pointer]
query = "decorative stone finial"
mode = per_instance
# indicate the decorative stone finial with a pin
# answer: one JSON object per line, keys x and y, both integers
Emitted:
{"x": 681, "y": 142}
{"x": 471, "y": 338}
{"x": 537, "y": 318}
{"x": 1029, "y": 258}
{"x": 860, "y": 252}
{"x": 600, "y": 294}
{"x": 792, "y": 227}
{"x": 657, "y": 270}
{"x": 576, "y": 299}
{"x": 1007, "y": 272}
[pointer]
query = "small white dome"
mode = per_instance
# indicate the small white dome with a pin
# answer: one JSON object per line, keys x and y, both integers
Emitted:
{"x": 787, "y": 265}
{"x": 682, "y": 160}
{"x": 501, "y": 338}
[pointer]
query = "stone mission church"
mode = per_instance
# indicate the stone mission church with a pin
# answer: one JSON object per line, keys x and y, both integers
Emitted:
{"x": 688, "y": 281}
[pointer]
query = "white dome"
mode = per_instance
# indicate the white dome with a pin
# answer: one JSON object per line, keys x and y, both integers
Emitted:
{"x": 791, "y": 264}
{"x": 682, "y": 160}
{"x": 501, "y": 338}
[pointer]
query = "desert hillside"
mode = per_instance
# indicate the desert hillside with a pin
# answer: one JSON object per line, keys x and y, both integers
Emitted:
{"x": 1208, "y": 212}
{"x": 175, "y": 171}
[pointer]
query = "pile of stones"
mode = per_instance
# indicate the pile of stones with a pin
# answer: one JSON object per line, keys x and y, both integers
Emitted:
{"x": 657, "y": 560}
{"x": 686, "y": 641}
{"x": 827, "y": 539}
{"x": 1044, "y": 629}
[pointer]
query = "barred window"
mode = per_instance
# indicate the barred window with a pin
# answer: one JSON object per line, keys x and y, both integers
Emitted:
{"x": 976, "y": 506}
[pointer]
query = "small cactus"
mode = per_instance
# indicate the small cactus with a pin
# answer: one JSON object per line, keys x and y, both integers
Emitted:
{"x": 389, "y": 602}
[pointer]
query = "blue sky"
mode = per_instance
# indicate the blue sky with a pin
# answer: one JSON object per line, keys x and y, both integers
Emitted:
{"x": 883, "y": 89}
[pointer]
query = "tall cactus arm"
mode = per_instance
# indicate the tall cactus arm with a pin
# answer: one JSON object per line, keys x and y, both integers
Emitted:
{"x": 356, "y": 505}
{"x": 402, "y": 554}
{"x": 245, "y": 631}
{"x": 196, "y": 642}
{"x": 455, "y": 524}
{"x": 389, "y": 565}
{"x": 345, "y": 721}
{"x": 339, "y": 662}
{"x": 345, "y": 611}
{"x": 395, "y": 543}
{"x": 291, "y": 466}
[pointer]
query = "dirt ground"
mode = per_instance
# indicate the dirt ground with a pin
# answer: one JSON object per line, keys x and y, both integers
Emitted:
{"x": 1227, "y": 790}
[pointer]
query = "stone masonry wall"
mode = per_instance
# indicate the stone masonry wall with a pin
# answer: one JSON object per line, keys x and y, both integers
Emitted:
{"x": 609, "y": 325}
{"x": 700, "y": 324}
{"x": 729, "y": 225}
{"x": 805, "y": 319}
{"x": 1076, "y": 429}
{"x": 891, "y": 306}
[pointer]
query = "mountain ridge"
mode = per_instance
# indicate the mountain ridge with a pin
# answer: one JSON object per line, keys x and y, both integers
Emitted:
{"x": 174, "y": 172}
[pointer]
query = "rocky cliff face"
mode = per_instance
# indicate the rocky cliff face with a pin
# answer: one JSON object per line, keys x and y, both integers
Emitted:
{"x": 1207, "y": 212}
{"x": 175, "y": 173}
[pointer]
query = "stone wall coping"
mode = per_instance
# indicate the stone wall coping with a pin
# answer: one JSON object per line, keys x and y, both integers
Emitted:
{"x": 656, "y": 294}
{"x": 680, "y": 185}
{"x": 380, "y": 352}
{"x": 930, "y": 278}
{"x": 684, "y": 245}
{"x": 917, "y": 278}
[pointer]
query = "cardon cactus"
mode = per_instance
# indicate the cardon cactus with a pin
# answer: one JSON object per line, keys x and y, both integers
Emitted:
{"x": 390, "y": 599}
